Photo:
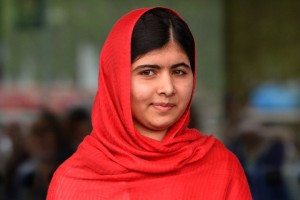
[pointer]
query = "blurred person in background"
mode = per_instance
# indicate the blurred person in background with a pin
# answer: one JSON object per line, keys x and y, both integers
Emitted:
{"x": 282, "y": 162}
{"x": 16, "y": 154}
{"x": 45, "y": 153}
{"x": 5, "y": 154}
{"x": 262, "y": 154}
{"x": 6, "y": 147}
{"x": 76, "y": 124}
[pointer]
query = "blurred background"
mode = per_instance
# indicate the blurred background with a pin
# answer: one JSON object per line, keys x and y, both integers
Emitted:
{"x": 248, "y": 89}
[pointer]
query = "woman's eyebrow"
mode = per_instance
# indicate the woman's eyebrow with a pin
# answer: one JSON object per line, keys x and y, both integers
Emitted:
{"x": 150, "y": 66}
{"x": 147, "y": 66}
{"x": 181, "y": 64}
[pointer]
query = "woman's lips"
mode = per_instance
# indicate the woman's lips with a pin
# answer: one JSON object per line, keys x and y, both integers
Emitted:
{"x": 163, "y": 106}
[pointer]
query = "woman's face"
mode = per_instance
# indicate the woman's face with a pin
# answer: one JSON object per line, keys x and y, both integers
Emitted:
{"x": 161, "y": 89}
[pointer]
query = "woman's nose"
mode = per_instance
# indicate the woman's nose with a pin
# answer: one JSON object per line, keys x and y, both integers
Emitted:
{"x": 166, "y": 86}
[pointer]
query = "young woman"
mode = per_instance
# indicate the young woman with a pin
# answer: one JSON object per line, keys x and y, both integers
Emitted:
{"x": 140, "y": 146}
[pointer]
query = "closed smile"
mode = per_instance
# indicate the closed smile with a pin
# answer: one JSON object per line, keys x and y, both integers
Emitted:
{"x": 163, "y": 106}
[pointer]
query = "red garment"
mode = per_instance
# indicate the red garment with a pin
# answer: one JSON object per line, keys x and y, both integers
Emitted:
{"x": 117, "y": 162}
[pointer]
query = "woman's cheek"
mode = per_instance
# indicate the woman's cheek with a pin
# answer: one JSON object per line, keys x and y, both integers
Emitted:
{"x": 140, "y": 92}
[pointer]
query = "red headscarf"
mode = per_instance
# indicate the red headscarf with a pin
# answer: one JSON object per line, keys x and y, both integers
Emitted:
{"x": 114, "y": 137}
{"x": 116, "y": 162}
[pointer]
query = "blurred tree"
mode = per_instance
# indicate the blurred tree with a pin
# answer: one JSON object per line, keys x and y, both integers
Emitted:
{"x": 30, "y": 13}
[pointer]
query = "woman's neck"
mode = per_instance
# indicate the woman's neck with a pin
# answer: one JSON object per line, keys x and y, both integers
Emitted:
{"x": 155, "y": 135}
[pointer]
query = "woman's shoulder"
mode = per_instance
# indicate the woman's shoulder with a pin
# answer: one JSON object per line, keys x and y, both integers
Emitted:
{"x": 219, "y": 159}
{"x": 221, "y": 151}
{"x": 226, "y": 164}
{"x": 68, "y": 179}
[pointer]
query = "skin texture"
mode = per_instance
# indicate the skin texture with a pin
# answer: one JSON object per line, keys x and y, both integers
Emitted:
{"x": 161, "y": 89}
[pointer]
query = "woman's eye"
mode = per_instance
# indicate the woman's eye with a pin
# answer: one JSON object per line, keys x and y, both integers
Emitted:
{"x": 179, "y": 72}
{"x": 147, "y": 72}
